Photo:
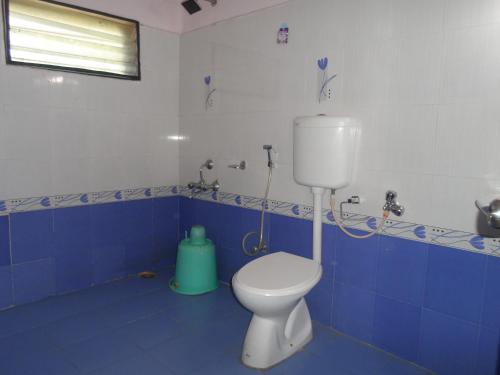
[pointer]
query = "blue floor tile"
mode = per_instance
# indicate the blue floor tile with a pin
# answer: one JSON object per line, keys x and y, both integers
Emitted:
{"x": 153, "y": 330}
{"x": 101, "y": 351}
{"x": 306, "y": 363}
{"x": 189, "y": 352}
{"x": 142, "y": 364}
{"x": 137, "y": 326}
{"x": 32, "y": 351}
{"x": 77, "y": 328}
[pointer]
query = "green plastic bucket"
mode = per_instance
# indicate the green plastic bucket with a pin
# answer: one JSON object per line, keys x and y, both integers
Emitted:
{"x": 196, "y": 270}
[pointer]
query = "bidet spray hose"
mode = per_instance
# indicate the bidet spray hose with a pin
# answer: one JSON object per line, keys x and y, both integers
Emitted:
{"x": 342, "y": 227}
{"x": 261, "y": 245}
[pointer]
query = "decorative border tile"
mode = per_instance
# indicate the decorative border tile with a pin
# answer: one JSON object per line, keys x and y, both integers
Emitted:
{"x": 394, "y": 228}
{"x": 71, "y": 200}
{"x": 410, "y": 231}
{"x": 82, "y": 199}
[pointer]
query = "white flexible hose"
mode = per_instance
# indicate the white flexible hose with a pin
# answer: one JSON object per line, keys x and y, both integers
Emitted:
{"x": 342, "y": 227}
{"x": 261, "y": 245}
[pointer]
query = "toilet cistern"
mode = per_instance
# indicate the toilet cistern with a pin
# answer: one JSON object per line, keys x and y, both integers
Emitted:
{"x": 323, "y": 155}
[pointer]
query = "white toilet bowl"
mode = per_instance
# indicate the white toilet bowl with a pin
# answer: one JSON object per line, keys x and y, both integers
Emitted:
{"x": 273, "y": 287}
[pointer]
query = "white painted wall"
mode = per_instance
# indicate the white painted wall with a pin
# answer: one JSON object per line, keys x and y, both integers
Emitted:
{"x": 163, "y": 14}
{"x": 422, "y": 76}
{"x": 68, "y": 133}
{"x": 170, "y": 15}
{"x": 224, "y": 10}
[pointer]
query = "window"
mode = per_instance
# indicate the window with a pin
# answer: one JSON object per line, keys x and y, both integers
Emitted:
{"x": 57, "y": 36}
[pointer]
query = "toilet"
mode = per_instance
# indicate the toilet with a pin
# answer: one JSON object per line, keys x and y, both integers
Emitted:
{"x": 273, "y": 288}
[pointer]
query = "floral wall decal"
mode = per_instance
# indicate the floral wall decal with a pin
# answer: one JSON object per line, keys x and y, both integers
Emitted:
{"x": 323, "y": 79}
{"x": 209, "y": 91}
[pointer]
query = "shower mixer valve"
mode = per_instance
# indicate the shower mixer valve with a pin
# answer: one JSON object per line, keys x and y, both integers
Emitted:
{"x": 201, "y": 185}
{"x": 392, "y": 205}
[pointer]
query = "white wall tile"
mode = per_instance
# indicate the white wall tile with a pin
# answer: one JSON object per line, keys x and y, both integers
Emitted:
{"x": 68, "y": 133}
{"x": 464, "y": 13}
{"x": 421, "y": 80}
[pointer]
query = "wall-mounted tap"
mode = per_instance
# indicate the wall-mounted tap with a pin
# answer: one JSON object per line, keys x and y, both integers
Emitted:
{"x": 392, "y": 205}
{"x": 201, "y": 185}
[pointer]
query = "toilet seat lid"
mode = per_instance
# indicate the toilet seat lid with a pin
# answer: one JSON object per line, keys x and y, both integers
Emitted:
{"x": 279, "y": 272}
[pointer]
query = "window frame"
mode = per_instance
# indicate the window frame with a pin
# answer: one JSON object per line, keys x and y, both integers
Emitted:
{"x": 9, "y": 61}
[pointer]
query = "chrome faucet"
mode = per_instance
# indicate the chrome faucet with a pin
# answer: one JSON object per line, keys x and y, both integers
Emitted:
{"x": 202, "y": 185}
{"x": 392, "y": 205}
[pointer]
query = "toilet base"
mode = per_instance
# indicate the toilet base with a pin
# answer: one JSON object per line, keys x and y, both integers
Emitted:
{"x": 271, "y": 340}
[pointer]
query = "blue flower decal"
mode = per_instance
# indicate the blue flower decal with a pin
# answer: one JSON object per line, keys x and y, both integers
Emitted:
{"x": 330, "y": 217}
{"x": 147, "y": 193}
{"x": 207, "y": 80}
{"x": 296, "y": 210}
{"x": 372, "y": 223}
{"x": 238, "y": 200}
{"x": 419, "y": 231}
{"x": 477, "y": 242}
{"x": 84, "y": 198}
{"x": 118, "y": 195}
{"x": 174, "y": 190}
{"x": 323, "y": 63}
{"x": 3, "y": 206}
{"x": 45, "y": 202}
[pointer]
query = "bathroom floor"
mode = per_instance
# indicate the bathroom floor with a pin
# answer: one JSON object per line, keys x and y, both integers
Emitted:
{"x": 138, "y": 326}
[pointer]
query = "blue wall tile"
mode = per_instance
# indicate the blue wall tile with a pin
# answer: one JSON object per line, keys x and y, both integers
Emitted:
{"x": 108, "y": 227}
{"x": 291, "y": 235}
{"x": 33, "y": 281}
{"x": 108, "y": 263}
{"x": 205, "y": 214}
{"x": 488, "y": 353}
{"x": 72, "y": 249}
{"x": 401, "y": 269}
{"x": 229, "y": 226}
{"x": 165, "y": 229}
{"x": 397, "y": 327}
{"x": 73, "y": 271}
{"x": 454, "y": 282}
{"x": 320, "y": 303}
{"x": 5, "y": 287}
{"x": 330, "y": 235}
{"x": 353, "y": 310}
{"x": 4, "y": 241}
{"x": 71, "y": 230}
{"x": 31, "y": 235}
{"x": 491, "y": 309}
{"x": 187, "y": 212}
{"x": 139, "y": 253}
{"x": 356, "y": 261}
{"x": 447, "y": 345}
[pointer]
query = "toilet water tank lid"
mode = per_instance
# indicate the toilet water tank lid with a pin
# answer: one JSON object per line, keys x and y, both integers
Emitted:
{"x": 279, "y": 271}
